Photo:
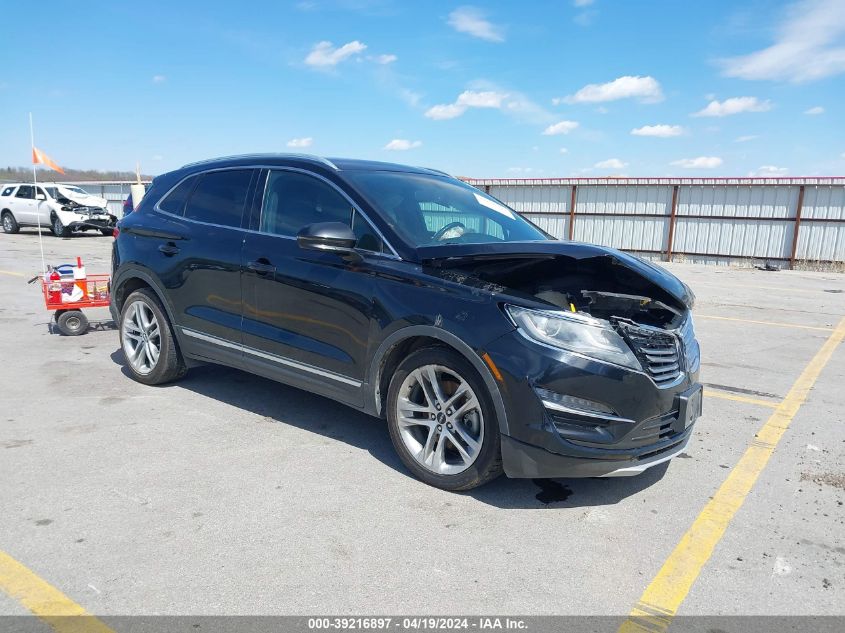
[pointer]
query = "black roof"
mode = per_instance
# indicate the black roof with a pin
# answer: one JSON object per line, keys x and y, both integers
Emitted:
{"x": 335, "y": 164}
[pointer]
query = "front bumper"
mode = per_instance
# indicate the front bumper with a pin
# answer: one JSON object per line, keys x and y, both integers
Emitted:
{"x": 642, "y": 424}
{"x": 101, "y": 222}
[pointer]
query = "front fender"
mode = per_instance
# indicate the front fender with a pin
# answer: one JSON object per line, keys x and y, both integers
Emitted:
{"x": 376, "y": 366}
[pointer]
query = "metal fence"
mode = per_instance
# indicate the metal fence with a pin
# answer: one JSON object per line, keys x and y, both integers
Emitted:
{"x": 794, "y": 221}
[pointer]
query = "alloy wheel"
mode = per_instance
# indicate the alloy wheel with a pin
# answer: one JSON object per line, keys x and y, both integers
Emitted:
{"x": 7, "y": 223}
{"x": 440, "y": 419}
{"x": 141, "y": 337}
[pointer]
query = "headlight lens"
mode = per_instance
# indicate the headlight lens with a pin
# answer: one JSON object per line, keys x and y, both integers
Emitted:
{"x": 575, "y": 333}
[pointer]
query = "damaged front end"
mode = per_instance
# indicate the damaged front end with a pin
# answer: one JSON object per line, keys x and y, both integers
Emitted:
{"x": 609, "y": 386}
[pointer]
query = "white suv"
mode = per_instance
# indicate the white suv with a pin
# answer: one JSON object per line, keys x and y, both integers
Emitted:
{"x": 61, "y": 208}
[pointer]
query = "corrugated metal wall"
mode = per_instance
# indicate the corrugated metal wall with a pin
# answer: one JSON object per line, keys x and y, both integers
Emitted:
{"x": 790, "y": 220}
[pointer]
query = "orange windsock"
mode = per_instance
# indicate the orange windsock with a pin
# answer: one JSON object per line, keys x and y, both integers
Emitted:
{"x": 40, "y": 157}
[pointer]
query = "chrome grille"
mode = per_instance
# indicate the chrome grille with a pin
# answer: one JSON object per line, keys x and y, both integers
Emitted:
{"x": 657, "y": 350}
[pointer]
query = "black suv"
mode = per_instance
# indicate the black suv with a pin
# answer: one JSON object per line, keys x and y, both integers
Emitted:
{"x": 487, "y": 344}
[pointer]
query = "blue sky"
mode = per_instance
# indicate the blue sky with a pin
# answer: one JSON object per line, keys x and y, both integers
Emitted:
{"x": 484, "y": 89}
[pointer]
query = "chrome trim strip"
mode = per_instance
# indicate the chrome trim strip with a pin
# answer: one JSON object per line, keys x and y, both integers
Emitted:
{"x": 587, "y": 414}
{"x": 278, "y": 359}
{"x": 630, "y": 471}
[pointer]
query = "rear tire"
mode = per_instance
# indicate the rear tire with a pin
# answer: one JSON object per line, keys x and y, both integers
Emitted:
{"x": 107, "y": 232}
{"x": 59, "y": 229}
{"x": 10, "y": 225}
{"x": 71, "y": 322}
{"x": 147, "y": 342}
{"x": 448, "y": 439}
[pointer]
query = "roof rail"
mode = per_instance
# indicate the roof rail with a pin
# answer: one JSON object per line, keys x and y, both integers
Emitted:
{"x": 311, "y": 157}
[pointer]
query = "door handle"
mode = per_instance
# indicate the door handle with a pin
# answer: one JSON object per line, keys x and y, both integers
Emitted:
{"x": 262, "y": 266}
{"x": 170, "y": 249}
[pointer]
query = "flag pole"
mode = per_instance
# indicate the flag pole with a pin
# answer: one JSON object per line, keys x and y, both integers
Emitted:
{"x": 35, "y": 195}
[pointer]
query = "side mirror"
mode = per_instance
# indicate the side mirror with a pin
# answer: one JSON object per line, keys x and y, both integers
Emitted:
{"x": 334, "y": 237}
{"x": 40, "y": 196}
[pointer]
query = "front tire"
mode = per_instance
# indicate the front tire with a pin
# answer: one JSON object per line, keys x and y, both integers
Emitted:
{"x": 59, "y": 229}
{"x": 10, "y": 225}
{"x": 146, "y": 339}
{"x": 442, "y": 421}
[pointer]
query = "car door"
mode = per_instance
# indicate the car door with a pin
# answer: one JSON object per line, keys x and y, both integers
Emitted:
{"x": 307, "y": 314}
{"x": 42, "y": 210}
{"x": 23, "y": 205}
{"x": 196, "y": 246}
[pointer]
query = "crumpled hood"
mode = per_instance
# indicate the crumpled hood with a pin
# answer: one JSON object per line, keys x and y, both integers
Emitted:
{"x": 86, "y": 200}
{"x": 454, "y": 255}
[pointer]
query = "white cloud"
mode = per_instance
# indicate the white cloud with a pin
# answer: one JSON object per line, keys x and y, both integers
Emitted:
{"x": 734, "y": 105}
{"x": 745, "y": 138}
{"x": 561, "y": 127}
{"x": 467, "y": 99}
{"x": 402, "y": 144}
{"x": 564, "y": 150}
{"x": 611, "y": 163}
{"x": 702, "y": 162}
{"x": 472, "y": 21}
{"x": 159, "y": 79}
{"x": 158, "y": 157}
{"x": 485, "y": 99}
{"x": 770, "y": 171}
{"x": 582, "y": 3}
{"x": 814, "y": 110}
{"x": 842, "y": 155}
{"x": 305, "y": 141}
{"x": 661, "y": 130}
{"x": 645, "y": 89}
{"x": 809, "y": 45}
{"x": 384, "y": 59}
{"x": 325, "y": 55}
{"x": 445, "y": 111}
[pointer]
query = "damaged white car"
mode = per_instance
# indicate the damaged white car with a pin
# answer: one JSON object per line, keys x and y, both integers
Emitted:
{"x": 61, "y": 208}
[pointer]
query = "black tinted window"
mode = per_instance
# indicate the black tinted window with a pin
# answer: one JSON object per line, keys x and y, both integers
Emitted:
{"x": 293, "y": 201}
{"x": 8, "y": 191}
{"x": 26, "y": 191}
{"x": 219, "y": 197}
{"x": 174, "y": 202}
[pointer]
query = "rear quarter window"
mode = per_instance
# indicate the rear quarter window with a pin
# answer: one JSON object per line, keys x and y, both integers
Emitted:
{"x": 174, "y": 202}
{"x": 7, "y": 191}
{"x": 219, "y": 197}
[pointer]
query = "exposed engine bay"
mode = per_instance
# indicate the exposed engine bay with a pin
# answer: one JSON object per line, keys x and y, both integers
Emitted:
{"x": 604, "y": 287}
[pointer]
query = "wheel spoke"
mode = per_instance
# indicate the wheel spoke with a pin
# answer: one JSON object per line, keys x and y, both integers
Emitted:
{"x": 426, "y": 455}
{"x": 152, "y": 352}
{"x": 413, "y": 407}
{"x": 408, "y": 422}
{"x": 471, "y": 443}
{"x": 467, "y": 457}
{"x": 431, "y": 374}
{"x": 439, "y": 458}
{"x": 462, "y": 389}
{"x": 470, "y": 404}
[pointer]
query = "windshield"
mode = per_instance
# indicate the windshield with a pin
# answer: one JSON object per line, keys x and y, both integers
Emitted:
{"x": 75, "y": 190}
{"x": 429, "y": 210}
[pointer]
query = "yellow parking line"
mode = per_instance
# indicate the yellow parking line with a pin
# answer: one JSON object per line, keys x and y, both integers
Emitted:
{"x": 775, "y": 323}
{"x": 662, "y": 598}
{"x": 710, "y": 393}
{"x": 45, "y": 601}
{"x": 12, "y": 273}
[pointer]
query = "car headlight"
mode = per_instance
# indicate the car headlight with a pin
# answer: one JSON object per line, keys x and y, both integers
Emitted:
{"x": 574, "y": 332}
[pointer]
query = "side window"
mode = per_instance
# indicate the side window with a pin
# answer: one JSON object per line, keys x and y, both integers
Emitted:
{"x": 8, "y": 191}
{"x": 40, "y": 192}
{"x": 293, "y": 201}
{"x": 219, "y": 197}
{"x": 368, "y": 239}
{"x": 174, "y": 202}
{"x": 26, "y": 191}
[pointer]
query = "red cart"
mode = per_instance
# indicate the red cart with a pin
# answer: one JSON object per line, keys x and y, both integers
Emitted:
{"x": 59, "y": 296}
